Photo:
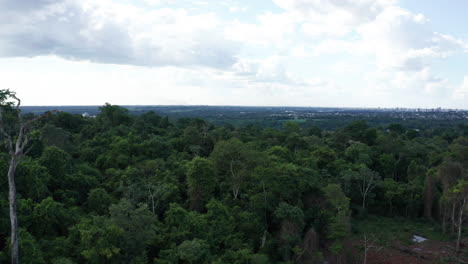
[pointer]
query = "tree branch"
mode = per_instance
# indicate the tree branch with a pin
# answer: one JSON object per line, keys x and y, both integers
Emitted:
{"x": 9, "y": 142}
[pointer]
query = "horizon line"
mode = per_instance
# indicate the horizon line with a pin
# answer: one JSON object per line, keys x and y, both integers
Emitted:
{"x": 254, "y": 106}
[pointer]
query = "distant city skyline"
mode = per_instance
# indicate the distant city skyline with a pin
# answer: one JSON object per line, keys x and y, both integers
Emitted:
{"x": 335, "y": 53}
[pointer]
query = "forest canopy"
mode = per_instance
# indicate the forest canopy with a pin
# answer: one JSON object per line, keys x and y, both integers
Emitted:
{"x": 123, "y": 188}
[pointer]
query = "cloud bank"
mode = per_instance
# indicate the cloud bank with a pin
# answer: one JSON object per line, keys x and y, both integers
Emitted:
{"x": 361, "y": 52}
{"x": 108, "y": 32}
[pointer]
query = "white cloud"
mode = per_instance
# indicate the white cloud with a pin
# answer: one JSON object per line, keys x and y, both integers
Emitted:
{"x": 333, "y": 17}
{"x": 126, "y": 84}
{"x": 273, "y": 69}
{"x": 271, "y": 29}
{"x": 408, "y": 88}
{"x": 108, "y": 32}
{"x": 404, "y": 48}
{"x": 399, "y": 39}
{"x": 345, "y": 67}
{"x": 158, "y": 2}
{"x": 333, "y": 46}
{"x": 461, "y": 92}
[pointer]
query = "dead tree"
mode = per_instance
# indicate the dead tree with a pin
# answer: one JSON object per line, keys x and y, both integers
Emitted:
{"x": 368, "y": 245}
{"x": 17, "y": 147}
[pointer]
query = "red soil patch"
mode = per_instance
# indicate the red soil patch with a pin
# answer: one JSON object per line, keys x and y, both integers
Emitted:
{"x": 427, "y": 252}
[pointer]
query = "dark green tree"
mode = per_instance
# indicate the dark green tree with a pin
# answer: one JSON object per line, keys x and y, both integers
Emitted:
{"x": 201, "y": 182}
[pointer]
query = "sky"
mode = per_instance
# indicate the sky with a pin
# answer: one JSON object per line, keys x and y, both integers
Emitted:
{"x": 327, "y": 53}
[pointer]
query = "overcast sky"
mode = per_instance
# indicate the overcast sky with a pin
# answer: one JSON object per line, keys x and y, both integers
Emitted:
{"x": 351, "y": 53}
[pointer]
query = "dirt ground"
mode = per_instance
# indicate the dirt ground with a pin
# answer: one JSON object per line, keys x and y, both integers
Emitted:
{"x": 427, "y": 252}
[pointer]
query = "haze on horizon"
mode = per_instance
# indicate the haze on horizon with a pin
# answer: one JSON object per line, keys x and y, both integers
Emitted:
{"x": 336, "y": 53}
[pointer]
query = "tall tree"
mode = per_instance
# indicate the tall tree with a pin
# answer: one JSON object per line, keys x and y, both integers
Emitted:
{"x": 15, "y": 134}
{"x": 367, "y": 181}
{"x": 428, "y": 195}
{"x": 460, "y": 191}
{"x": 339, "y": 227}
{"x": 234, "y": 161}
{"x": 201, "y": 182}
{"x": 17, "y": 152}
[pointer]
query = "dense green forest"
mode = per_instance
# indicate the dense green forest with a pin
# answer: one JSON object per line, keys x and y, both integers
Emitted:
{"x": 122, "y": 188}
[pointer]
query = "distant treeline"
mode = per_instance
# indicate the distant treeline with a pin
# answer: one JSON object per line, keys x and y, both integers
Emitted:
{"x": 324, "y": 118}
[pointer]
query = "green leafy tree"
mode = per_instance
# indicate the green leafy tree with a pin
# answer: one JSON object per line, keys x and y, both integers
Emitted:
{"x": 234, "y": 160}
{"x": 315, "y": 131}
{"x": 97, "y": 239}
{"x": 291, "y": 219}
{"x": 324, "y": 156}
{"x": 113, "y": 115}
{"x": 58, "y": 163}
{"x": 460, "y": 193}
{"x": 428, "y": 195}
{"x": 392, "y": 190}
{"x": 194, "y": 251}
{"x": 338, "y": 229}
{"x": 222, "y": 227}
{"x": 359, "y": 153}
{"x": 201, "y": 182}
{"x": 291, "y": 127}
{"x": 396, "y": 128}
{"x": 280, "y": 154}
{"x": 33, "y": 180}
{"x": 415, "y": 171}
{"x": 50, "y": 218}
{"x": 138, "y": 228}
{"x": 56, "y": 136}
{"x": 99, "y": 201}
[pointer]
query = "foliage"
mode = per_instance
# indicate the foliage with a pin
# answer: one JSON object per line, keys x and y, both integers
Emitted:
{"x": 124, "y": 188}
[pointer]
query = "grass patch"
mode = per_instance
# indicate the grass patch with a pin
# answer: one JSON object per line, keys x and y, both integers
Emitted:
{"x": 388, "y": 229}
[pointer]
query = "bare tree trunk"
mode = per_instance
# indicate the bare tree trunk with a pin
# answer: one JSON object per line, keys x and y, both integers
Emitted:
{"x": 444, "y": 217}
{"x": 452, "y": 227}
{"x": 368, "y": 245}
{"x": 366, "y": 250}
{"x": 460, "y": 222}
{"x": 235, "y": 191}
{"x": 152, "y": 203}
{"x": 13, "y": 215}
{"x": 16, "y": 146}
{"x": 263, "y": 239}
{"x": 265, "y": 216}
{"x": 236, "y": 185}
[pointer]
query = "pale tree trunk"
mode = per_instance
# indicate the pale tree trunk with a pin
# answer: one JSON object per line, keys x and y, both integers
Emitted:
{"x": 460, "y": 222}
{"x": 452, "y": 227}
{"x": 263, "y": 239}
{"x": 366, "y": 250}
{"x": 235, "y": 191}
{"x": 265, "y": 216}
{"x": 367, "y": 184}
{"x": 16, "y": 146}
{"x": 444, "y": 217}
{"x": 236, "y": 181}
{"x": 16, "y": 151}
{"x": 368, "y": 245}
{"x": 13, "y": 215}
